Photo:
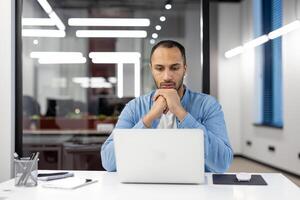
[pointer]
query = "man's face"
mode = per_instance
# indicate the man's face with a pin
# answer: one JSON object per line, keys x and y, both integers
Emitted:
{"x": 168, "y": 68}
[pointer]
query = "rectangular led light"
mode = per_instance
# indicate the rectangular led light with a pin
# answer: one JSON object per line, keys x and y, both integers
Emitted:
{"x": 115, "y": 57}
{"x": 111, "y": 33}
{"x": 81, "y": 79}
{"x": 60, "y": 25}
{"x": 104, "y": 60}
{"x": 96, "y": 85}
{"x": 43, "y": 33}
{"x": 261, "y": 40}
{"x": 109, "y": 22}
{"x": 53, "y": 54}
{"x": 101, "y": 85}
{"x": 234, "y": 52}
{"x": 62, "y": 60}
{"x": 93, "y": 82}
{"x": 284, "y": 30}
{"x": 45, "y": 5}
{"x": 58, "y": 57}
{"x": 256, "y": 42}
{"x": 97, "y": 79}
{"x": 37, "y": 22}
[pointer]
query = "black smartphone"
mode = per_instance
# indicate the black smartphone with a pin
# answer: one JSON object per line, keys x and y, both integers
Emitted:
{"x": 52, "y": 174}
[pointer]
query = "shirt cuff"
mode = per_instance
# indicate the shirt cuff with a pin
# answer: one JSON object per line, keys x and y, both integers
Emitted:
{"x": 140, "y": 124}
{"x": 189, "y": 122}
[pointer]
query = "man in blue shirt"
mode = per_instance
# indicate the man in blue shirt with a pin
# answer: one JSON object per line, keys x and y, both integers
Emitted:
{"x": 172, "y": 105}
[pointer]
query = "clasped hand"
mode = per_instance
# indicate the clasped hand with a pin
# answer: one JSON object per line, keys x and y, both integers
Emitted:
{"x": 171, "y": 102}
{"x": 171, "y": 98}
{"x": 165, "y": 100}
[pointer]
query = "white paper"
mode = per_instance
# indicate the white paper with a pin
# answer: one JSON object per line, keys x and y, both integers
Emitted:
{"x": 68, "y": 183}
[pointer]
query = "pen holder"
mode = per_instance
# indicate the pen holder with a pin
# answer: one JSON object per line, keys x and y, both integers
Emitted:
{"x": 26, "y": 172}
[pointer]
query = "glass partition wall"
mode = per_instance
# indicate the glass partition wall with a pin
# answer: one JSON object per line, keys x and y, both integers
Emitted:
{"x": 83, "y": 60}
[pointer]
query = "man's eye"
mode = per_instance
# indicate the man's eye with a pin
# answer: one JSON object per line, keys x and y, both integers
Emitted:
{"x": 159, "y": 68}
{"x": 175, "y": 68}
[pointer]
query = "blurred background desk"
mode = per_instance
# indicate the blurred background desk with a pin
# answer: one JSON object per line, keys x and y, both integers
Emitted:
{"x": 67, "y": 132}
{"x": 66, "y": 149}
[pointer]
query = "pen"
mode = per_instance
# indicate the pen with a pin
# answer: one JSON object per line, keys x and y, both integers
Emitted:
{"x": 26, "y": 168}
{"x": 16, "y": 156}
{"x": 54, "y": 176}
{"x": 34, "y": 160}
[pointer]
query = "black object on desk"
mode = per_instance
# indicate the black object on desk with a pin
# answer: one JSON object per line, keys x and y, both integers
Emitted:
{"x": 54, "y": 176}
{"x": 230, "y": 179}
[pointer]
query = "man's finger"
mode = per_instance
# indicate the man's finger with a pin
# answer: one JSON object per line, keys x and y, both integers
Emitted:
{"x": 159, "y": 92}
{"x": 156, "y": 95}
{"x": 166, "y": 110}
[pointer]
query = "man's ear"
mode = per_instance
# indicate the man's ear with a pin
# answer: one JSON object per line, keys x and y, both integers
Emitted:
{"x": 150, "y": 66}
{"x": 185, "y": 67}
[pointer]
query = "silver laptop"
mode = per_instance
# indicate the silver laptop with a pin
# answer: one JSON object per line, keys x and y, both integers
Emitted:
{"x": 159, "y": 155}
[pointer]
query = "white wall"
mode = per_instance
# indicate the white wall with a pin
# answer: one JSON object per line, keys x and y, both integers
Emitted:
{"x": 286, "y": 140}
{"x": 7, "y": 88}
{"x": 229, "y": 72}
{"x": 192, "y": 45}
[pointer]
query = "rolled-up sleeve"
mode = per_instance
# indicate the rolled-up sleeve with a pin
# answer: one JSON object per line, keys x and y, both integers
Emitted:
{"x": 126, "y": 120}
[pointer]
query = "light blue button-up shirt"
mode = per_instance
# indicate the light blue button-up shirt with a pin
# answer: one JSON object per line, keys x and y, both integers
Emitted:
{"x": 204, "y": 112}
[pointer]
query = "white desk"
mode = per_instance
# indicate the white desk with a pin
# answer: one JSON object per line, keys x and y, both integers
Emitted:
{"x": 108, "y": 187}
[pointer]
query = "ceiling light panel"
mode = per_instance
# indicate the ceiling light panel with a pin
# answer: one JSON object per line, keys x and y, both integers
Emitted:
{"x": 37, "y": 22}
{"x": 60, "y": 25}
{"x": 53, "y": 54}
{"x": 284, "y": 30}
{"x": 111, "y": 33}
{"x": 135, "y": 22}
{"x": 43, "y": 33}
{"x": 115, "y": 57}
{"x": 62, "y": 60}
{"x": 45, "y": 5}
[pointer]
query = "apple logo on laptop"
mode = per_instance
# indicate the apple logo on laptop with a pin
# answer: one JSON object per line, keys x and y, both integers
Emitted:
{"x": 159, "y": 155}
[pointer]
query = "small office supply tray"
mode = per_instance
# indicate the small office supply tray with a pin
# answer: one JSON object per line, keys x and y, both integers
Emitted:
{"x": 230, "y": 179}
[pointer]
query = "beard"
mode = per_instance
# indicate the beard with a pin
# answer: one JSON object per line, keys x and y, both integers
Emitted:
{"x": 169, "y": 84}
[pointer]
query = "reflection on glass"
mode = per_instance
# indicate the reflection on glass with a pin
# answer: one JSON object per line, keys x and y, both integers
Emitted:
{"x": 82, "y": 62}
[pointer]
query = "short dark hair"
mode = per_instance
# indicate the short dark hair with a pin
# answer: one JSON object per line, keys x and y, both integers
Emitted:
{"x": 169, "y": 44}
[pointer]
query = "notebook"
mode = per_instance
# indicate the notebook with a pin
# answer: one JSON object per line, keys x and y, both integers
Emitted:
{"x": 69, "y": 183}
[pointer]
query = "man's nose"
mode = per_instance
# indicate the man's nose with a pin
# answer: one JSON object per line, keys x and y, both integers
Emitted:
{"x": 167, "y": 75}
